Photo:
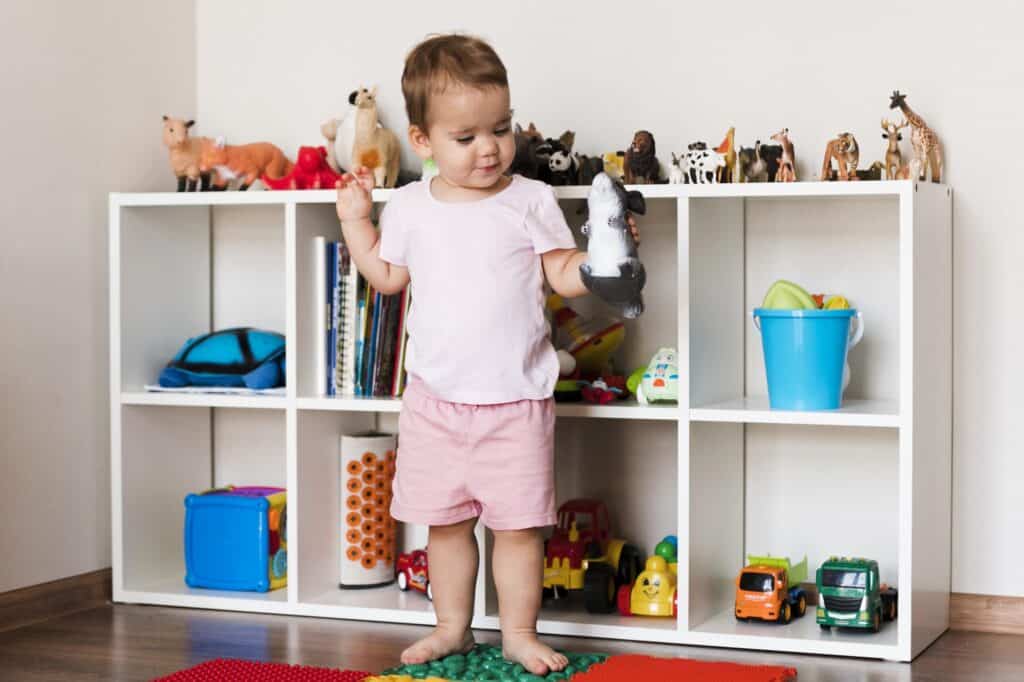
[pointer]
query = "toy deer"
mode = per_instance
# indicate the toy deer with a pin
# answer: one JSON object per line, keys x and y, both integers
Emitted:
{"x": 893, "y": 156}
{"x": 184, "y": 154}
{"x": 787, "y": 165}
{"x": 927, "y": 149}
{"x": 375, "y": 147}
{"x": 727, "y": 149}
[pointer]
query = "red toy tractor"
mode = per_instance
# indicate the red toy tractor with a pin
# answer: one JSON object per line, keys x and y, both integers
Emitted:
{"x": 581, "y": 555}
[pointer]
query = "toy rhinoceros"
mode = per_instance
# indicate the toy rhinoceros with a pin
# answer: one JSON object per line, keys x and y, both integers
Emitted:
{"x": 613, "y": 270}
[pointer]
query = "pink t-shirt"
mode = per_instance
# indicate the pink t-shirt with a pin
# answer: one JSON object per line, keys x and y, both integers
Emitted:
{"x": 477, "y": 331}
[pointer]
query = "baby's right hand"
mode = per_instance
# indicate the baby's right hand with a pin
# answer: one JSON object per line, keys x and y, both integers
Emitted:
{"x": 354, "y": 198}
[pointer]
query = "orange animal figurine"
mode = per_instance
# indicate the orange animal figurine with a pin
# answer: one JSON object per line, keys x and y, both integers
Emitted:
{"x": 184, "y": 154}
{"x": 374, "y": 147}
{"x": 244, "y": 162}
{"x": 787, "y": 165}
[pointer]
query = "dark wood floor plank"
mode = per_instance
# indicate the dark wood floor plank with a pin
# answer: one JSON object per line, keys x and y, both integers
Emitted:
{"x": 141, "y": 642}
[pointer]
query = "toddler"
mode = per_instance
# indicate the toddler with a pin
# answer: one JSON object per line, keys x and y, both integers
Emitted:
{"x": 477, "y": 422}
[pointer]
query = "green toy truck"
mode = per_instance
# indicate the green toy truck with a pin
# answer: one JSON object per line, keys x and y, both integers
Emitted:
{"x": 850, "y": 595}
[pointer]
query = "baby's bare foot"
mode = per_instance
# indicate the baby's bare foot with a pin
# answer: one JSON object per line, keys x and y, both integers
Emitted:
{"x": 528, "y": 651}
{"x": 438, "y": 644}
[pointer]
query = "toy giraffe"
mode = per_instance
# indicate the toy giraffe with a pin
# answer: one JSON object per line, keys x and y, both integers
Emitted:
{"x": 927, "y": 150}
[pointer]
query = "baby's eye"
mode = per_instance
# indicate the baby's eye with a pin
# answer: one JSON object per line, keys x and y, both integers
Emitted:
{"x": 502, "y": 131}
{"x": 464, "y": 140}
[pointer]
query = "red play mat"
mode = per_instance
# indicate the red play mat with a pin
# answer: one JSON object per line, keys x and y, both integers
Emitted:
{"x": 229, "y": 670}
{"x": 649, "y": 669}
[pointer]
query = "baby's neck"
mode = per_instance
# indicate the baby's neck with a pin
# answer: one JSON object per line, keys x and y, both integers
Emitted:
{"x": 447, "y": 191}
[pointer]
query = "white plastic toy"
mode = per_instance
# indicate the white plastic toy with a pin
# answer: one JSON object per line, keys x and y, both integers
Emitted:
{"x": 660, "y": 382}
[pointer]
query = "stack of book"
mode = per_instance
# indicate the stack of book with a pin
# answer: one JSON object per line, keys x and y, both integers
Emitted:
{"x": 361, "y": 333}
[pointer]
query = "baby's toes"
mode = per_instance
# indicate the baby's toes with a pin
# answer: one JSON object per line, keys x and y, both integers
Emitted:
{"x": 556, "y": 661}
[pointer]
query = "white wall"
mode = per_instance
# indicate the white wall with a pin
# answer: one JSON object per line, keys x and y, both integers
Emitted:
{"x": 687, "y": 71}
{"x": 83, "y": 88}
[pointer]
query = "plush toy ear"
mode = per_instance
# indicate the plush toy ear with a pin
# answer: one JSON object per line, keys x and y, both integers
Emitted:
{"x": 373, "y": 91}
{"x": 189, "y": 124}
{"x": 635, "y": 202}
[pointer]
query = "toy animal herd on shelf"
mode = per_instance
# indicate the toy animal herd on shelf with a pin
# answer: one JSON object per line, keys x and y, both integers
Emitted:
{"x": 358, "y": 138}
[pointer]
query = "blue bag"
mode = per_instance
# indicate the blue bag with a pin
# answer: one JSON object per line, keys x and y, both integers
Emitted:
{"x": 243, "y": 356}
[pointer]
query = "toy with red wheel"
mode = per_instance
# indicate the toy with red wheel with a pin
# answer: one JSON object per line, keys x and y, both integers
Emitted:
{"x": 654, "y": 592}
{"x": 412, "y": 572}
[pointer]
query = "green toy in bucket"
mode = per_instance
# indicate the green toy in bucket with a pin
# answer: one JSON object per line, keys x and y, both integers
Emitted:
{"x": 805, "y": 347}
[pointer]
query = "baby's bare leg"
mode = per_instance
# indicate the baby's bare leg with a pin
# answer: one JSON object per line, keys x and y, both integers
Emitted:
{"x": 453, "y": 557}
{"x": 518, "y": 561}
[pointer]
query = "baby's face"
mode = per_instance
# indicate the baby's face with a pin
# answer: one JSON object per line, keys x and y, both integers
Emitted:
{"x": 470, "y": 133}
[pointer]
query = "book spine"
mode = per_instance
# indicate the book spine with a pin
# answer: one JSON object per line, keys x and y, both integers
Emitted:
{"x": 322, "y": 313}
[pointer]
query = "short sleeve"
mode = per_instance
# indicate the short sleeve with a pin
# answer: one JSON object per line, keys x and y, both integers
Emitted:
{"x": 545, "y": 223}
{"x": 393, "y": 234}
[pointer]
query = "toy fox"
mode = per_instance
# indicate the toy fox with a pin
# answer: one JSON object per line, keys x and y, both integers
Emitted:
{"x": 245, "y": 162}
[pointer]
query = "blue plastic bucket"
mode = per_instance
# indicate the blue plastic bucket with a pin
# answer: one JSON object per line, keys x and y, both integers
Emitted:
{"x": 805, "y": 354}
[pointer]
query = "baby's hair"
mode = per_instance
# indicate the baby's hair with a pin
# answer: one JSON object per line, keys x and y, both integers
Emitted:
{"x": 444, "y": 60}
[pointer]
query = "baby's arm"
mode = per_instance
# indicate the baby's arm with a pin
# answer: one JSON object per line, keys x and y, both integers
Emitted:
{"x": 362, "y": 238}
{"x": 562, "y": 267}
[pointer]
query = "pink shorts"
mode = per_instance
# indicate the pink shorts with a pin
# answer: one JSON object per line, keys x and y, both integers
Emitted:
{"x": 458, "y": 461}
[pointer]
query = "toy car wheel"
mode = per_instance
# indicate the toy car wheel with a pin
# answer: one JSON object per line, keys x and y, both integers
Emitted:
{"x": 403, "y": 581}
{"x": 876, "y": 621}
{"x": 593, "y": 550}
{"x": 623, "y": 600}
{"x": 825, "y": 628}
{"x": 630, "y": 565}
{"x": 801, "y": 606}
{"x": 599, "y": 589}
{"x": 430, "y": 592}
{"x": 890, "y": 610}
{"x": 675, "y": 603}
{"x": 785, "y": 613}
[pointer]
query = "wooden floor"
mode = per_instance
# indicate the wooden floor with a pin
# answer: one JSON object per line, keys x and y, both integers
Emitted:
{"x": 142, "y": 642}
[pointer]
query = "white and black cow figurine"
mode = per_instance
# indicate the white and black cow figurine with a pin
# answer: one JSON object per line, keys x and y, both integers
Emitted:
{"x": 701, "y": 163}
{"x": 564, "y": 166}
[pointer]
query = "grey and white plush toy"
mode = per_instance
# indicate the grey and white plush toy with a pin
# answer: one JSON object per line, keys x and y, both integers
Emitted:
{"x": 613, "y": 270}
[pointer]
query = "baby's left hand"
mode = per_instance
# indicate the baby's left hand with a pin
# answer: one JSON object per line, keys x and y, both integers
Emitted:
{"x": 631, "y": 221}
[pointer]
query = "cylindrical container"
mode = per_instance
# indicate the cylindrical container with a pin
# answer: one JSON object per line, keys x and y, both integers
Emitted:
{"x": 804, "y": 355}
{"x": 367, "y": 467}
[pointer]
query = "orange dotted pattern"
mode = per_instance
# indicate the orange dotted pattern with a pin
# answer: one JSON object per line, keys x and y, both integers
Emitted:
{"x": 369, "y": 528}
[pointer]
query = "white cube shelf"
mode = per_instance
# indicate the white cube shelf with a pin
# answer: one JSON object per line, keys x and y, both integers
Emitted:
{"x": 721, "y": 470}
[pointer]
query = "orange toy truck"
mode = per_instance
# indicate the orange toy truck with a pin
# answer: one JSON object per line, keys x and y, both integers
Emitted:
{"x": 769, "y": 589}
{"x": 244, "y": 162}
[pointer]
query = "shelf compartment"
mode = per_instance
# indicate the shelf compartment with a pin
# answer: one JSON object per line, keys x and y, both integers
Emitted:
{"x": 180, "y": 271}
{"x": 167, "y": 452}
{"x": 755, "y": 410}
{"x": 172, "y": 591}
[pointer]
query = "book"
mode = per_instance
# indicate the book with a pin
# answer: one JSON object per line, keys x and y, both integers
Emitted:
{"x": 321, "y": 313}
{"x": 341, "y": 315}
{"x": 350, "y": 305}
{"x": 332, "y": 279}
{"x": 386, "y": 354}
{"x": 372, "y": 343}
{"x": 398, "y": 380}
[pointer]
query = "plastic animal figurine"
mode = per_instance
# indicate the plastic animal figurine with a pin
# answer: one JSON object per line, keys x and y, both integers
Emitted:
{"x": 846, "y": 152}
{"x": 563, "y": 165}
{"x": 925, "y": 142}
{"x": 184, "y": 152}
{"x": 893, "y": 155}
{"x": 772, "y": 155}
{"x": 340, "y": 134}
{"x": 615, "y": 165}
{"x": 641, "y": 163}
{"x": 727, "y": 172}
{"x": 677, "y": 172}
{"x": 374, "y": 147}
{"x": 244, "y": 162}
{"x": 613, "y": 269}
{"x": 660, "y": 383}
{"x": 787, "y": 165}
{"x": 702, "y": 164}
{"x": 532, "y": 154}
{"x": 750, "y": 167}
{"x": 587, "y": 168}
{"x": 311, "y": 171}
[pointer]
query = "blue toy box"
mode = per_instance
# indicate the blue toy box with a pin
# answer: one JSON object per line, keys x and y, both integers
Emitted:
{"x": 236, "y": 539}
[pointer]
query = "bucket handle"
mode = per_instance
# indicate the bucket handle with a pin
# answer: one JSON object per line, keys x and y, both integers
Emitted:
{"x": 856, "y": 330}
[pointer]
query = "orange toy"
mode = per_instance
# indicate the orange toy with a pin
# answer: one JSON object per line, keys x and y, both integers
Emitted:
{"x": 244, "y": 162}
{"x": 648, "y": 668}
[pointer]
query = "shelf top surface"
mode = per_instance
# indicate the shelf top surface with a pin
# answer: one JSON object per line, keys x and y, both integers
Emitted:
{"x": 663, "y": 191}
